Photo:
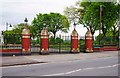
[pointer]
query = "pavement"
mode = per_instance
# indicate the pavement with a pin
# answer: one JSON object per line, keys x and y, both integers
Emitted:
{"x": 33, "y": 59}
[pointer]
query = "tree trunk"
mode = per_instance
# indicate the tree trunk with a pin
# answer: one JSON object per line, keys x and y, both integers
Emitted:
{"x": 54, "y": 34}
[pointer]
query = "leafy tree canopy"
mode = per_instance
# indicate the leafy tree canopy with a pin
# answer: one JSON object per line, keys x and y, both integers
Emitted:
{"x": 88, "y": 14}
{"x": 53, "y": 21}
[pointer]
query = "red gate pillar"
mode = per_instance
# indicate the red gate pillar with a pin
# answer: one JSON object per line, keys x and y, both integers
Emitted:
{"x": 74, "y": 41}
{"x": 26, "y": 41}
{"x": 88, "y": 42}
{"x": 44, "y": 42}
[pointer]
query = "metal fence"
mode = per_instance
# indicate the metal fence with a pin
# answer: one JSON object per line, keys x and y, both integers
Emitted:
{"x": 12, "y": 41}
{"x": 61, "y": 44}
{"x": 109, "y": 40}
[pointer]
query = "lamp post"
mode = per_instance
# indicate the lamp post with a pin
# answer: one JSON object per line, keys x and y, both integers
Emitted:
{"x": 8, "y": 25}
{"x": 100, "y": 22}
{"x": 2, "y": 38}
{"x": 26, "y": 20}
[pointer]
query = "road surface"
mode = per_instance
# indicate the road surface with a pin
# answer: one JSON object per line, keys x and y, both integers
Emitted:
{"x": 107, "y": 66}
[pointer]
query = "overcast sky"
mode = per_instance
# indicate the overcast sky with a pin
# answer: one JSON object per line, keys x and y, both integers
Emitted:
{"x": 14, "y": 11}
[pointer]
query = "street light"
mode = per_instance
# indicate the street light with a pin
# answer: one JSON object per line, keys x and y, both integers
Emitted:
{"x": 8, "y": 25}
{"x": 26, "y": 20}
{"x": 25, "y": 25}
{"x": 100, "y": 22}
{"x": 2, "y": 38}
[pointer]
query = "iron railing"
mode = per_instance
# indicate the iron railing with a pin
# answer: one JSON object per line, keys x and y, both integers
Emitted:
{"x": 59, "y": 44}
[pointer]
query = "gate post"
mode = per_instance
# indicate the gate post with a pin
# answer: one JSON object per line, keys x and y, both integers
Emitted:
{"x": 74, "y": 41}
{"x": 44, "y": 41}
{"x": 26, "y": 41}
{"x": 88, "y": 41}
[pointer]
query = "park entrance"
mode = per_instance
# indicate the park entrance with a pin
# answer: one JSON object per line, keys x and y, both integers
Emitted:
{"x": 42, "y": 43}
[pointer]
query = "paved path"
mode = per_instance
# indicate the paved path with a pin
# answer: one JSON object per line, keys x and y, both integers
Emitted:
{"x": 21, "y": 60}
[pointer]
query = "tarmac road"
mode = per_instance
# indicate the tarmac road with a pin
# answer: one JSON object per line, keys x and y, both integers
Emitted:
{"x": 107, "y": 66}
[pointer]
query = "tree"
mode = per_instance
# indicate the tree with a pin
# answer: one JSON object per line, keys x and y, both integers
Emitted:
{"x": 88, "y": 14}
{"x": 14, "y": 36}
{"x": 10, "y": 37}
{"x": 18, "y": 28}
{"x": 37, "y": 22}
{"x": 76, "y": 13}
{"x": 110, "y": 17}
{"x": 91, "y": 17}
{"x": 58, "y": 22}
{"x": 53, "y": 21}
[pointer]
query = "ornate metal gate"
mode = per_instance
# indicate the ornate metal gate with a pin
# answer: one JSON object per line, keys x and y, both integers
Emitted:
{"x": 35, "y": 44}
{"x": 61, "y": 44}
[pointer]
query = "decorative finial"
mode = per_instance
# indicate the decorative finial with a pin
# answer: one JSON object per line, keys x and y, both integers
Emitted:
{"x": 74, "y": 25}
{"x": 26, "y": 20}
